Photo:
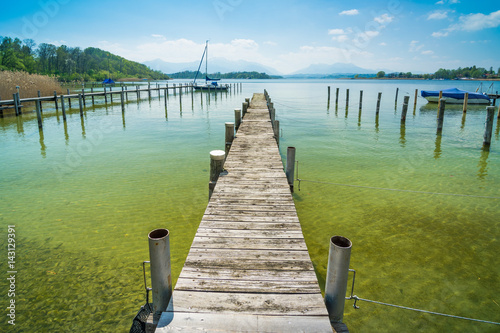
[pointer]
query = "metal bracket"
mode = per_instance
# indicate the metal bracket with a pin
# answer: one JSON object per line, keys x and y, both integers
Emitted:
{"x": 145, "y": 283}
{"x": 354, "y": 297}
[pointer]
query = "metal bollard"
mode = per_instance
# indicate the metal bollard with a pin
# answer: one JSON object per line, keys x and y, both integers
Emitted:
{"x": 336, "y": 277}
{"x": 161, "y": 278}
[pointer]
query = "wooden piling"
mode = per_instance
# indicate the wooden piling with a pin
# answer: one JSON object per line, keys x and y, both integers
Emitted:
{"x": 122, "y": 100}
{"x": 276, "y": 129}
{"x": 328, "y": 95}
{"x": 216, "y": 166}
{"x": 337, "y": 96}
{"x": 244, "y": 108}
{"x": 63, "y": 108}
{"x": 442, "y": 106}
{"x": 83, "y": 98}
{"x": 39, "y": 114}
{"x": 165, "y": 93}
{"x": 416, "y": 97}
{"x": 229, "y": 136}
{"x": 69, "y": 99}
{"x": 405, "y": 109}
{"x": 41, "y": 107}
{"x": 237, "y": 118}
{"x": 488, "y": 130}
{"x": 55, "y": 100}
{"x": 360, "y": 100}
{"x": 149, "y": 90}
{"x": 111, "y": 94}
{"x": 105, "y": 96}
{"x": 138, "y": 93}
{"x": 378, "y": 103}
{"x": 439, "y": 101}
{"x": 498, "y": 117}
{"x": 347, "y": 99}
{"x": 80, "y": 102}
{"x": 290, "y": 166}
{"x": 396, "y": 100}
{"x": 16, "y": 105}
{"x": 466, "y": 100}
{"x": 175, "y": 93}
{"x": 92, "y": 92}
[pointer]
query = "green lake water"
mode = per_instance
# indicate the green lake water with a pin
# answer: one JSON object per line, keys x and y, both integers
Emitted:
{"x": 83, "y": 197}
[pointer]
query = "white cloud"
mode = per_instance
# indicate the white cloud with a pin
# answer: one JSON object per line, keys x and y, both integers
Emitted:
{"x": 475, "y": 22}
{"x": 383, "y": 44}
{"x": 415, "y": 47}
{"x": 336, "y": 32}
{"x": 427, "y": 52}
{"x": 440, "y": 34}
{"x": 340, "y": 38}
{"x": 270, "y": 43}
{"x": 158, "y": 36}
{"x": 384, "y": 18}
{"x": 349, "y": 12}
{"x": 371, "y": 34}
{"x": 437, "y": 15}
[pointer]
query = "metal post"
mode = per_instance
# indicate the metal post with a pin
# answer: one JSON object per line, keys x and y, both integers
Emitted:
{"x": 336, "y": 277}
{"x": 290, "y": 166}
{"x": 216, "y": 166}
{"x": 161, "y": 278}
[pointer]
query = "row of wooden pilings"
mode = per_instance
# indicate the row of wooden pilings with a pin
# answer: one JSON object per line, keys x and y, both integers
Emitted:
{"x": 490, "y": 111}
{"x": 16, "y": 101}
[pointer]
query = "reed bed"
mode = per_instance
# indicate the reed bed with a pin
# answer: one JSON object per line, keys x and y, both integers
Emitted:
{"x": 29, "y": 84}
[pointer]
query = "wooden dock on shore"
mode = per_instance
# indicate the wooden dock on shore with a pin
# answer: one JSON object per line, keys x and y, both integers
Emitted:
{"x": 248, "y": 269}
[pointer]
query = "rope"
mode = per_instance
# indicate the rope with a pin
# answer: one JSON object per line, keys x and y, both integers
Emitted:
{"x": 356, "y": 298}
{"x": 399, "y": 190}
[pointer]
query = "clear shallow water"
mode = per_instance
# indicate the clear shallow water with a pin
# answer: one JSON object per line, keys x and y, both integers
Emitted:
{"x": 84, "y": 198}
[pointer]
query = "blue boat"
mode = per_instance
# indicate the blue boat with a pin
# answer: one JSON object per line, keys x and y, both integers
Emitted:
{"x": 455, "y": 96}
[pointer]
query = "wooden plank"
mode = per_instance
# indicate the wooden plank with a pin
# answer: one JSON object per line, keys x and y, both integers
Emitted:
{"x": 248, "y": 268}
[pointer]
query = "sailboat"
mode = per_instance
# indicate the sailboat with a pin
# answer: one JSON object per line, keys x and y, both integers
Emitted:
{"x": 210, "y": 84}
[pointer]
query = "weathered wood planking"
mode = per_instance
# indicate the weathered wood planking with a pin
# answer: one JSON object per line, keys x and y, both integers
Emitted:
{"x": 248, "y": 269}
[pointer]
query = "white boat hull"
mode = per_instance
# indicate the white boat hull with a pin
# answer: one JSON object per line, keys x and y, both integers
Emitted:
{"x": 449, "y": 100}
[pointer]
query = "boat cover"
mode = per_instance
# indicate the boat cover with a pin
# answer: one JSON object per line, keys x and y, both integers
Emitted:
{"x": 454, "y": 93}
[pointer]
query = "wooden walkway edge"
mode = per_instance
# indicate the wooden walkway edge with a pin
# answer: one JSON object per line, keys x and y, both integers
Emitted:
{"x": 248, "y": 269}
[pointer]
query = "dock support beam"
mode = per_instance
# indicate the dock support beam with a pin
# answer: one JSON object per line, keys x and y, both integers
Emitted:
{"x": 336, "y": 277}
{"x": 442, "y": 106}
{"x": 161, "y": 278}
{"x": 237, "y": 118}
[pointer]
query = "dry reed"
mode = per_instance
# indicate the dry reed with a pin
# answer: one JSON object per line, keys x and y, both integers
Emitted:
{"x": 29, "y": 84}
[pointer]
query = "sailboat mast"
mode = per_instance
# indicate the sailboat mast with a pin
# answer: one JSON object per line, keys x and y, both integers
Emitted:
{"x": 206, "y": 61}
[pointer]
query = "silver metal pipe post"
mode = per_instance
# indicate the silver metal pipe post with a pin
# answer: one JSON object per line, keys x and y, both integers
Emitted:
{"x": 161, "y": 278}
{"x": 336, "y": 277}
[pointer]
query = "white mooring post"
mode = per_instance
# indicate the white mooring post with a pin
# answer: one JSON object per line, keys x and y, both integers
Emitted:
{"x": 237, "y": 118}
{"x": 229, "y": 136}
{"x": 161, "y": 278}
{"x": 336, "y": 277}
{"x": 217, "y": 158}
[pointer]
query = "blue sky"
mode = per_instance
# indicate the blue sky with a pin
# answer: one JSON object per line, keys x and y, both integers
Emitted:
{"x": 286, "y": 35}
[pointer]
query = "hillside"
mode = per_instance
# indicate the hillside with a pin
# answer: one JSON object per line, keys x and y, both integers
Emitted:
{"x": 69, "y": 63}
{"x": 232, "y": 75}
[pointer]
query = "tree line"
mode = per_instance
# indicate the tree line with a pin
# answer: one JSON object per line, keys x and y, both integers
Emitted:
{"x": 218, "y": 75}
{"x": 448, "y": 74}
{"x": 70, "y": 63}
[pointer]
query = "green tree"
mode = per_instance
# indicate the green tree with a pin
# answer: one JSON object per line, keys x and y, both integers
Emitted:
{"x": 380, "y": 74}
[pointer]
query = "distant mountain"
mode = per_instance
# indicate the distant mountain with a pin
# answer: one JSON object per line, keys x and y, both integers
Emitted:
{"x": 215, "y": 65}
{"x": 337, "y": 68}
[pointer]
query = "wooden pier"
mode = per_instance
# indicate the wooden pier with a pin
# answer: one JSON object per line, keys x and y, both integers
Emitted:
{"x": 248, "y": 269}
